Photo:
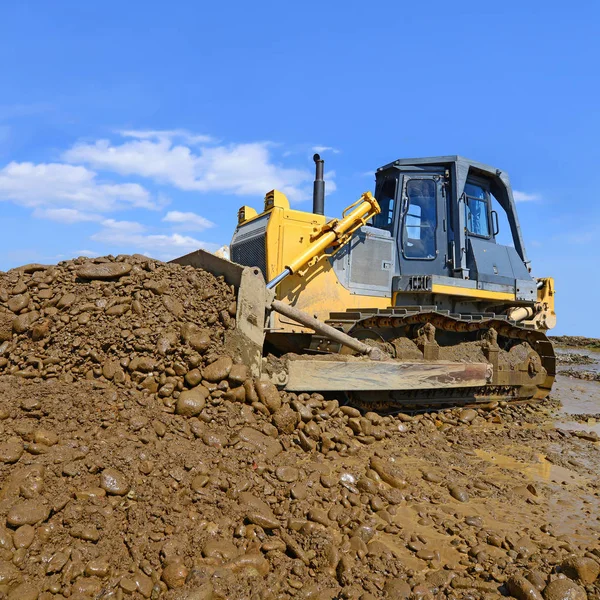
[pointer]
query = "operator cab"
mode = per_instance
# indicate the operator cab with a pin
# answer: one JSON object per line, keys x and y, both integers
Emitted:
{"x": 440, "y": 213}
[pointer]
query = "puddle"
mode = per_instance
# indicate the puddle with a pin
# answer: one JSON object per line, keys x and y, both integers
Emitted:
{"x": 578, "y": 397}
{"x": 542, "y": 470}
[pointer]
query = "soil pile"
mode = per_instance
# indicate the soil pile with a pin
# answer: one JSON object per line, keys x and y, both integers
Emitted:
{"x": 137, "y": 460}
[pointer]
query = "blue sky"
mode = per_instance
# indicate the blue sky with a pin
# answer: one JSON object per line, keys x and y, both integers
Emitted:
{"x": 143, "y": 126}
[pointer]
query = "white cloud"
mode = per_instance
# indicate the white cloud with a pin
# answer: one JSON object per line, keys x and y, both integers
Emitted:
{"x": 88, "y": 253}
{"x": 167, "y": 134}
{"x": 161, "y": 246}
{"x": 187, "y": 221}
{"x": 65, "y": 215}
{"x": 49, "y": 184}
{"x": 123, "y": 227}
{"x": 325, "y": 149}
{"x": 525, "y": 196}
{"x": 241, "y": 169}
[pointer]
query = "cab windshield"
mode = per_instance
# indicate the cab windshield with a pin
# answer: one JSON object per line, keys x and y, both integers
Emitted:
{"x": 476, "y": 210}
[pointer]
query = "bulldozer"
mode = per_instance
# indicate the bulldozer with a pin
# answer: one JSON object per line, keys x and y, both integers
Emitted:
{"x": 407, "y": 300}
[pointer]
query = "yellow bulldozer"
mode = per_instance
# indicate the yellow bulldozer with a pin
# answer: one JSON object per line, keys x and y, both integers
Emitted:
{"x": 408, "y": 299}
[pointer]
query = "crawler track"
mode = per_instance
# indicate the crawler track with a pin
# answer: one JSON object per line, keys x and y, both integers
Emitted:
{"x": 530, "y": 381}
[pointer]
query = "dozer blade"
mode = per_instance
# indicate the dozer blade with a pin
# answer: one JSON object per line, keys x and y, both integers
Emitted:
{"x": 245, "y": 341}
{"x": 304, "y": 375}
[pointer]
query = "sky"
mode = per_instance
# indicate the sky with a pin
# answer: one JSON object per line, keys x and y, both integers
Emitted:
{"x": 143, "y": 126}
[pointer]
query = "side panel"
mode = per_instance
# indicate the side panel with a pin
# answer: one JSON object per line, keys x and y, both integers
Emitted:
{"x": 366, "y": 264}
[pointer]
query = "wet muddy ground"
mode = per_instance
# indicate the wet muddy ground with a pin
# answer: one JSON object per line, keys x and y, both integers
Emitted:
{"x": 138, "y": 461}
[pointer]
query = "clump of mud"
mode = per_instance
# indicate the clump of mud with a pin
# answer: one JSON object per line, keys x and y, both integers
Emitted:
{"x": 138, "y": 460}
{"x": 585, "y": 375}
{"x": 574, "y": 358}
{"x": 575, "y": 341}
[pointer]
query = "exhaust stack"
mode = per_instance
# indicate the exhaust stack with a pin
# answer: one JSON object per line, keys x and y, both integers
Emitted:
{"x": 319, "y": 187}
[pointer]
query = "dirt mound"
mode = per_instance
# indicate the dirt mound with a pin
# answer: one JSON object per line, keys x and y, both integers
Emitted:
{"x": 132, "y": 320}
{"x": 138, "y": 461}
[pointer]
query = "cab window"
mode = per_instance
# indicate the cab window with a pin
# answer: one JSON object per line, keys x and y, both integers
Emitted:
{"x": 420, "y": 219}
{"x": 386, "y": 200}
{"x": 476, "y": 210}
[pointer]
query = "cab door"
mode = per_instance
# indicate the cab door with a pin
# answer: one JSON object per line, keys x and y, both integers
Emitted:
{"x": 422, "y": 236}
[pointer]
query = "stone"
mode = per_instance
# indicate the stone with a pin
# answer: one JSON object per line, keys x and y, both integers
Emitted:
{"x": 582, "y": 569}
{"x": 27, "y": 512}
{"x": 18, "y": 303}
{"x": 114, "y": 482}
{"x": 11, "y": 451}
{"x": 23, "y": 536}
{"x": 268, "y": 394}
{"x": 389, "y": 472}
{"x": 193, "y": 377}
{"x": 191, "y": 402}
{"x": 98, "y": 567}
{"x": 285, "y": 419}
{"x": 24, "y": 591}
{"x": 66, "y": 301}
{"x": 23, "y": 322}
{"x": 466, "y": 415}
{"x": 263, "y": 520}
{"x": 522, "y": 589}
{"x": 458, "y": 493}
{"x": 262, "y": 443}
{"x": 103, "y": 270}
{"x": 40, "y": 330}
{"x": 218, "y": 370}
{"x": 564, "y": 589}
{"x": 397, "y": 588}
{"x": 173, "y": 306}
{"x": 174, "y": 575}
{"x": 287, "y": 474}
{"x": 238, "y": 374}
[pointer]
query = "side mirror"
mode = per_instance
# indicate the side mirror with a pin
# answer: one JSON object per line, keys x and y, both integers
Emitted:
{"x": 495, "y": 223}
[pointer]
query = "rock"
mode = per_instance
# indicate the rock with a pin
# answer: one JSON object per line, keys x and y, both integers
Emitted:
{"x": 98, "y": 567}
{"x": 582, "y": 569}
{"x": 40, "y": 330}
{"x": 143, "y": 364}
{"x": 117, "y": 310}
{"x": 23, "y": 322}
{"x": 23, "y": 536}
{"x": 458, "y": 493}
{"x": 218, "y": 370}
{"x": 285, "y": 419}
{"x": 24, "y": 591}
{"x": 85, "y": 531}
{"x": 11, "y": 451}
{"x": 287, "y": 474}
{"x": 18, "y": 303}
{"x": 174, "y": 575}
{"x": 66, "y": 301}
{"x": 238, "y": 374}
{"x": 397, "y": 588}
{"x": 522, "y": 589}
{"x": 389, "y": 472}
{"x": 114, "y": 482}
{"x": 564, "y": 589}
{"x": 466, "y": 415}
{"x": 27, "y": 512}
{"x": 191, "y": 402}
{"x": 173, "y": 306}
{"x": 262, "y": 520}
{"x": 193, "y": 377}
{"x": 103, "y": 270}
{"x": 110, "y": 368}
{"x": 268, "y": 394}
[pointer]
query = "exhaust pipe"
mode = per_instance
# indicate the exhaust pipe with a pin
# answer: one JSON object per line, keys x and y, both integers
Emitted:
{"x": 319, "y": 187}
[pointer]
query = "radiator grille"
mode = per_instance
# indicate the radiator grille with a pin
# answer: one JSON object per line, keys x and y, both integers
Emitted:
{"x": 251, "y": 253}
